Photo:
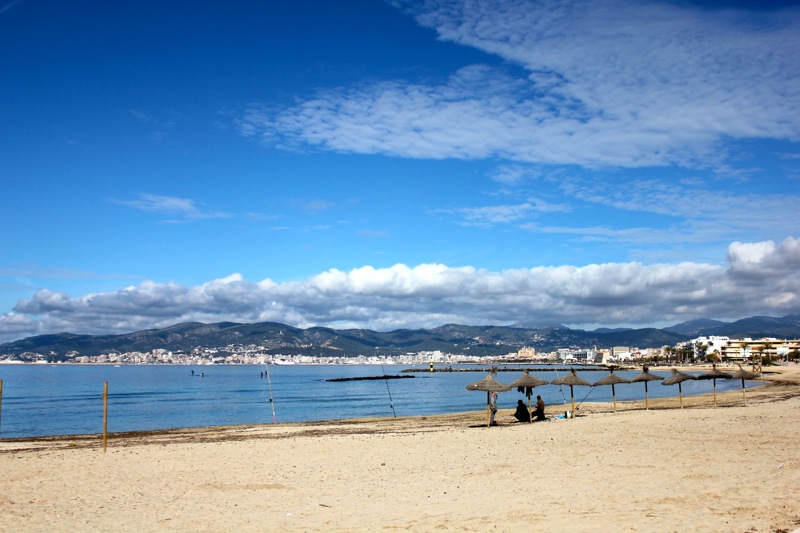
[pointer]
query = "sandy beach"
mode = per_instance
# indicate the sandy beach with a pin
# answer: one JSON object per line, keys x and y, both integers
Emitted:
{"x": 734, "y": 468}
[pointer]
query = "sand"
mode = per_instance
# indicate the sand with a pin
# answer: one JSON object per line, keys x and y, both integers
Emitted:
{"x": 731, "y": 468}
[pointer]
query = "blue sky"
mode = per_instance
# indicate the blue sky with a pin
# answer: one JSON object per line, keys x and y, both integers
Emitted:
{"x": 388, "y": 164}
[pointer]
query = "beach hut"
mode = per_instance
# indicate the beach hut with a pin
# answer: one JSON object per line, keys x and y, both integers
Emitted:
{"x": 714, "y": 375}
{"x": 678, "y": 378}
{"x": 743, "y": 375}
{"x": 528, "y": 382}
{"x": 489, "y": 385}
{"x": 611, "y": 379}
{"x": 571, "y": 379}
{"x": 646, "y": 376}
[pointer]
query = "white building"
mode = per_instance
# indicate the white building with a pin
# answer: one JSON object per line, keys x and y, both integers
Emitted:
{"x": 713, "y": 344}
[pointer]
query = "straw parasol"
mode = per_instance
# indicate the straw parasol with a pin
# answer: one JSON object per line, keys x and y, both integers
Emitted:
{"x": 611, "y": 379}
{"x": 678, "y": 377}
{"x": 646, "y": 376}
{"x": 490, "y": 385}
{"x": 743, "y": 375}
{"x": 714, "y": 375}
{"x": 528, "y": 382}
{"x": 571, "y": 379}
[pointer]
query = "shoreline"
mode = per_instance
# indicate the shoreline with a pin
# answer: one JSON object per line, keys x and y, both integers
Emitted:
{"x": 789, "y": 374}
{"x": 733, "y": 468}
{"x": 777, "y": 386}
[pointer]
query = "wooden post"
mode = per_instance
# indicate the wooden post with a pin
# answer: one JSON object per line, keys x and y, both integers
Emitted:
{"x": 1, "y": 401}
{"x": 744, "y": 396}
{"x": 756, "y": 364}
{"x": 105, "y": 415}
{"x": 715, "y": 391}
{"x": 572, "y": 395}
{"x": 530, "y": 412}
{"x": 488, "y": 409}
{"x": 614, "y": 395}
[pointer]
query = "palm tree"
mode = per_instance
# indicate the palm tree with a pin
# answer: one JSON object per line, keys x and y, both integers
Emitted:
{"x": 768, "y": 349}
{"x": 700, "y": 350}
{"x": 669, "y": 353}
{"x": 686, "y": 352}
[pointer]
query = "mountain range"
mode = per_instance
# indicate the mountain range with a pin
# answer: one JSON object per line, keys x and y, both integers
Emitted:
{"x": 451, "y": 338}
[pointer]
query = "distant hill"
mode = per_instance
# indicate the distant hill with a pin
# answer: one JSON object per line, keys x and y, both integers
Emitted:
{"x": 754, "y": 327}
{"x": 611, "y": 330}
{"x": 276, "y": 338}
{"x": 694, "y": 328}
{"x": 760, "y": 326}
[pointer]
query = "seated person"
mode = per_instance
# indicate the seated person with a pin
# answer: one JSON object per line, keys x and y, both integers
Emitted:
{"x": 522, "y": 413}
{"x": 538, "y": 413}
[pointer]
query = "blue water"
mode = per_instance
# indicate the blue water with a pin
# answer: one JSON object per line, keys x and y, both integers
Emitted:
{"x": 40, "y": 400}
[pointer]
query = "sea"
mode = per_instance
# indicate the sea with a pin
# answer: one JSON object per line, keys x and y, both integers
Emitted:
{"x": 67, "y": 399}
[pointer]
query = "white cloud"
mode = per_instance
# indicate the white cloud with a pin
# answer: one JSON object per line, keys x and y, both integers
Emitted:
{"x": 183, "y": 208}
{"x": 490, "y": 215}
{"x": 513, "y": 174}
{"x": 698, "y": 213}
{"x": 689, "y": 212}
{"x": 28, "y": 270}
{"x": 765, "y": 260}
{"x": 761, "y": 278}
{"x": 617, "y": 83}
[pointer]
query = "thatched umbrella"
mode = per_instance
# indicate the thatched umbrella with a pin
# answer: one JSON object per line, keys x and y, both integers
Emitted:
{"x": 714, "y": 375}
{"x": 678, "y": 377}
{"x": 611, "y": 379}
{"x": 571, "y": 379}
{"x": 743, "y": 375}
{"x": 528, "y": 382}
{"x": 646, "y": 376}
{"x": 490, "y": 385}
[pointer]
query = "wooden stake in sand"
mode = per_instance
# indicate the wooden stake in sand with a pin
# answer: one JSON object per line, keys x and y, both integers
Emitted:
{"x": 105, "y": 415}
{"x": 1, "y": 400}
{"x": 271, "y": 399}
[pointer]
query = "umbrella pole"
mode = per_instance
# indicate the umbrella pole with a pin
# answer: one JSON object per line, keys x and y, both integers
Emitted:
{"x": 680, "y": 394}
{"x": 744, "y": 397}
{"x": 530, "y": 415}
{"x": 646, "y": 398}
{"x": 715, "y": 391}
{"x": 614, "y": 395}
{"x": 488, "y": 409}
{"x": 572, "y": 397}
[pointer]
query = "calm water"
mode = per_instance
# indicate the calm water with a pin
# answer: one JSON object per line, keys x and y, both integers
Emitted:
{"x": 42, "y": 400}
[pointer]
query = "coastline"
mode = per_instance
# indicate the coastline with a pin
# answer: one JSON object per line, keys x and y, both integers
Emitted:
{"x": 730, "y": 468}
{"x": 236, "y": 394}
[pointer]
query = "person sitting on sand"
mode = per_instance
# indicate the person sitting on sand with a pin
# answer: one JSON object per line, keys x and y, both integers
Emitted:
{"x": 522, "y": 414}
{"x": 538, "y": 413}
